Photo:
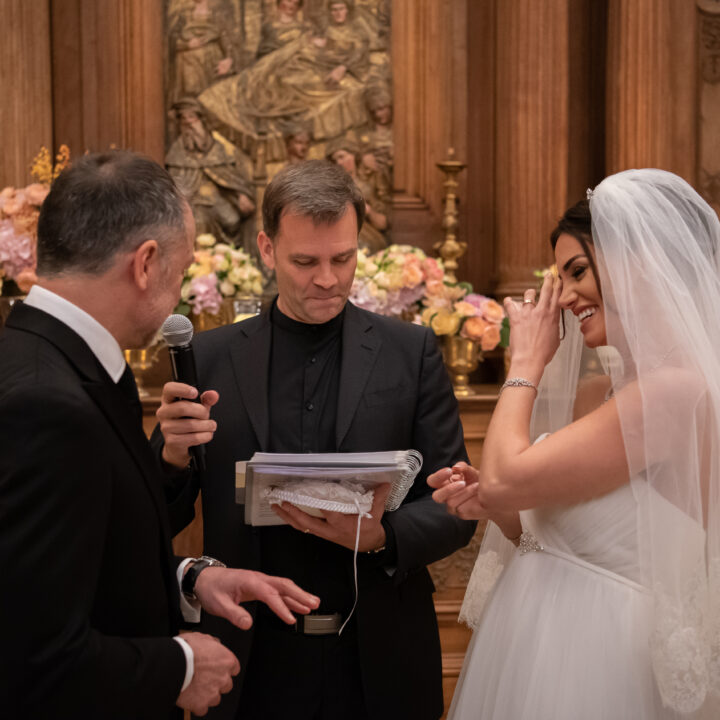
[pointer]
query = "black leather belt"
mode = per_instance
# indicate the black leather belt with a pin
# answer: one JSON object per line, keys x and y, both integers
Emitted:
{"x": 319, "y": 624}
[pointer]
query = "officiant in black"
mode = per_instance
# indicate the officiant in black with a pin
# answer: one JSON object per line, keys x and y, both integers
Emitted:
{"x": 314, "y": 373}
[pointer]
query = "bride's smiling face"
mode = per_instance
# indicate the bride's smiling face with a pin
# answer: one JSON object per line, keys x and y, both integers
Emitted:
{"x": 580, "y": 292}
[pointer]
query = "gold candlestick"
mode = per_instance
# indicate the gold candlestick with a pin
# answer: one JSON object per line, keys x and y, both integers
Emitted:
{"x": 450, "y": 249}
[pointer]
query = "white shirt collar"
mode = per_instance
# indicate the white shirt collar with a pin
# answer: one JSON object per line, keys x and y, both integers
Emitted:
{"x": 101, "y": 342}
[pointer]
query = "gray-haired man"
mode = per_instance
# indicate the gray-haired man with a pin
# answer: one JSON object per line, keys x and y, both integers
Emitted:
{"x": 90, "y": 591}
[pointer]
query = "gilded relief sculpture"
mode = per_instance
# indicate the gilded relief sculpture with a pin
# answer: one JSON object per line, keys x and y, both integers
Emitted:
{"x": 210, "y": 173}
{"x": 293, "y": 76}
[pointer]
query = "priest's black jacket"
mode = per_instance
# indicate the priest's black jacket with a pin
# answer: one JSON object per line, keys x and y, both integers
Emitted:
{"x": 88, "y": 596}
{"x": 394, "y": 394}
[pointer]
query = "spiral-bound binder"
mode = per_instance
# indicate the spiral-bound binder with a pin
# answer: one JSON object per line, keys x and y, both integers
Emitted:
{"x": 265, "y": 471}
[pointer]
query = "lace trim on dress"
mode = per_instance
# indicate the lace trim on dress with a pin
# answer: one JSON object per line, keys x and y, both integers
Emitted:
{"x": 484, "y": 576}
{"x": 681, "y": 646}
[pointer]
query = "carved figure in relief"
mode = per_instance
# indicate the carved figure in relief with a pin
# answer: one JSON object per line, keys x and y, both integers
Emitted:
{"x": 284, "y": 29}
{"x": 345, "y": 153}
{"x": 317, "y": 79}
{"x": 209, "y": 172}
{"x": 201, "y": 51}
{"x": 377, "y": 136}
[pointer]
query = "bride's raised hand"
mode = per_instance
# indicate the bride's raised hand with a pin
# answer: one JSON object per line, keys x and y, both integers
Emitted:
{"x": 534, "y": 329}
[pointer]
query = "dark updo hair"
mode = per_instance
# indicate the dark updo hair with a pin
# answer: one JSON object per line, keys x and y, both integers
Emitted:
{"x": 577, "y": 222}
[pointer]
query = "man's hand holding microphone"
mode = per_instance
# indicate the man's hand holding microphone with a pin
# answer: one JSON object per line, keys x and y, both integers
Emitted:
{"x": 186, "y": 426}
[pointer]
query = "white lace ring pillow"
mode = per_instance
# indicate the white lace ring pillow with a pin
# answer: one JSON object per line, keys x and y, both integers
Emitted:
{"x": 312, "y": 496}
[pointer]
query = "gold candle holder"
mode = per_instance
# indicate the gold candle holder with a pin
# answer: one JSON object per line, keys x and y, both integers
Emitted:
{"x": 141, "y": 360}
{"x": 450, "y": 249}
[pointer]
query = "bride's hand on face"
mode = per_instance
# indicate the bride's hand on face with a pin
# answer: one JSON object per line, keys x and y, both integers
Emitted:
{"x": 534, "y": 329}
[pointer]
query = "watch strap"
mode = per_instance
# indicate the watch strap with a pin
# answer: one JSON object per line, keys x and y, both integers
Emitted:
{"x": 191, "y": 574}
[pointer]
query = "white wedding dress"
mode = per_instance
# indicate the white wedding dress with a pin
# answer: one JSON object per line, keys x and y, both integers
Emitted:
{"x": 565, "y": 633}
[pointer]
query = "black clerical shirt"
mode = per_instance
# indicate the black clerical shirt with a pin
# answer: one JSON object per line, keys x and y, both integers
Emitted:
{"x": 303, "y": 388}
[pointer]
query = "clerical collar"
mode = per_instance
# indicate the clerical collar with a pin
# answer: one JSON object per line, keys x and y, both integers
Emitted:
{"x": 308, "y": 329}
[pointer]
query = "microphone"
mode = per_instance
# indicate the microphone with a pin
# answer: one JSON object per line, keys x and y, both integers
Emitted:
{"x": 177, "y": 331}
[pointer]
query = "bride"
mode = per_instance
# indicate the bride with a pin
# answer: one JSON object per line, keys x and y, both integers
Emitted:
{"x": 602, "y": 465}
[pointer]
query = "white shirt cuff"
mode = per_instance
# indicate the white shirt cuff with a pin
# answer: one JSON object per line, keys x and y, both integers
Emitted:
{"x": 190, "y": 610}
{"x": 189, "y": 661}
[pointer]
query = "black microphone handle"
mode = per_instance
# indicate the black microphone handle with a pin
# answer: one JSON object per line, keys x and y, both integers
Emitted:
{"x": 182, "y": 360}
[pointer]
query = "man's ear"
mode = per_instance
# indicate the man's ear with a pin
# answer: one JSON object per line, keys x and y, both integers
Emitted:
{"x": 267, "y": 250}
{"x": 144, "y": 262}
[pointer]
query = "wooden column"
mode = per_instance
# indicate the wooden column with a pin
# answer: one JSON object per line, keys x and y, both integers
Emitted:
{"x": 429, "y": 46}
{"x": 531, "y": 156}
{"x": 25, "y": 87}
{"x": 651, "y": 86}
{"x": 108, "y": 75}
{"x": 709, "y": 101}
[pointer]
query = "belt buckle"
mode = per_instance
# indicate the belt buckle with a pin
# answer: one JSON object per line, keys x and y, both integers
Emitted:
{"x": 319, "y": 624}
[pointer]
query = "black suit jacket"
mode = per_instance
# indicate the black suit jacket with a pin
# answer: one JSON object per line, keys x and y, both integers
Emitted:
{"x": 89, "y": 598}
{"x": 394, "y": 394}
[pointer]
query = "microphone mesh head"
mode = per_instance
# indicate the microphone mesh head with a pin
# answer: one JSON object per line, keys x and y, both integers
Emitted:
{"x": 177, "y": 330}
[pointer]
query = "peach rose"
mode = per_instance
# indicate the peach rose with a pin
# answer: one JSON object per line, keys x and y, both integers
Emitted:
{"x": 14, "y": 204}
{"x": 490, "y": 339}
{"x": 434, "y": 287}
{"x": 445, "y": 323}
{"x": 474, "y": 328}
{"x": 26, "y": 279}
{"x": 412, "y": 275}
{"x": 492, "y": 311}
{"x": 36, "y": 193}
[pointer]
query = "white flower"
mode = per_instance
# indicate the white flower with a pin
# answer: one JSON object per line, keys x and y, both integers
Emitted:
{"x": 227, "y": 288}
{"x": 205, "y": 240}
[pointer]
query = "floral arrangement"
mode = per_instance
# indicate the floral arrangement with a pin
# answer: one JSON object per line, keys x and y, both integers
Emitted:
{"x": 394, "y": 280}
{"x": 402, "y": 280}
{"x": 218, "y": 271}
{"x": 452, "y": 309}
{"x": 19, "y": 212}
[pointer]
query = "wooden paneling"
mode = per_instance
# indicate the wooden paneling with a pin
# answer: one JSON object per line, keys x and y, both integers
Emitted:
{"x": 25, "y": 87}
{"x": 430, "y": 99}
{"x": 652, "y": 86}
{"x": 531, "y": 158}
{"x": 108, "y": 75}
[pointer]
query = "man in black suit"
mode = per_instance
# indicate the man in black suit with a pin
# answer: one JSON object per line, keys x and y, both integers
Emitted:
{"x": 90, "y": 598}
{"x": 316, "y": 374}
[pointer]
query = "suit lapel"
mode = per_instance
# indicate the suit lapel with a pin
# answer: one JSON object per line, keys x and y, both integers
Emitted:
{"x": 98, "y": 384}
{"x": 359, "y": 351}
{"x": 250, "y": 362}
{"x": 119, "y": 413}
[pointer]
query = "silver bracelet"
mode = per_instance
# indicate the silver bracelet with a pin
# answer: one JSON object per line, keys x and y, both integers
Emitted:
{"x": 518, "y": 382}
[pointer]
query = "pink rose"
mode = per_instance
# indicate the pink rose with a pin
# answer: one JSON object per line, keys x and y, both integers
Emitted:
{"x": 432, "y": 269}
{"x": 36, "y": 193}
{"x": 475, "y": 300}
{"x": 492, "y": 311}
{"x": 205, "y": 295}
